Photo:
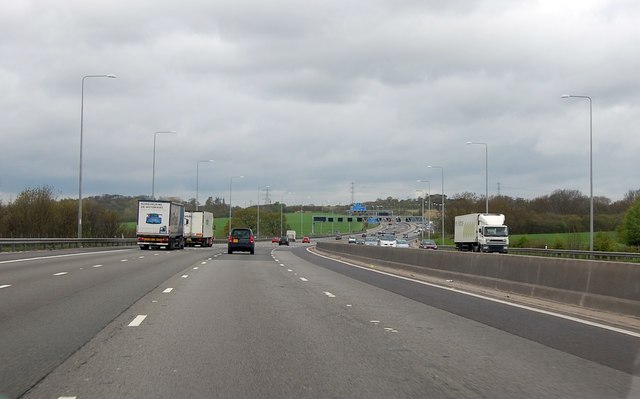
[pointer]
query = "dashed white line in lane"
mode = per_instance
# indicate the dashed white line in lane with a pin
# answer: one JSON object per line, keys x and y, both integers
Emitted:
{"x": 289, "y": 270}
{"x": 96, "y": 266}
{"x": 374, "y": 321}
{"x": 138, "y": 320}
{"x": 330, "y": 295}
{"x": 168, "y": 290}
{"x": 67, "y": 397}
{"x": 60, "y": 274}
{"x": 303, "y": 279}
{"x": 282, "y": 264}
{"x": 184, "y": 276}
{"x": 5, "y": 286}
{"x": 203, "y": 263}
{"x": 124, "y": 260}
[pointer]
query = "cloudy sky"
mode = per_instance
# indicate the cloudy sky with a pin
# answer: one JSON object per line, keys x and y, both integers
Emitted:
{"x": 309, "y": 96}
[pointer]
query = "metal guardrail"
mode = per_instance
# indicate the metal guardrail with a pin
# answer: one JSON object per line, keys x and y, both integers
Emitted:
{"x": 29, "y": 244}
{"x": 568, "y": 253}
{"x": 26, "y": 244}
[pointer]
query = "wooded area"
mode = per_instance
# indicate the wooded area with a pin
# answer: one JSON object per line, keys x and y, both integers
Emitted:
{"x": 36, "y": 212}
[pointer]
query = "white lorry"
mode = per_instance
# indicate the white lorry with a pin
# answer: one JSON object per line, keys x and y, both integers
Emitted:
{"x": 160, "y": 224}
{"x": 198, "y": 229}
{"x": 291, "y": 234}
{"x": 484, "y": 232}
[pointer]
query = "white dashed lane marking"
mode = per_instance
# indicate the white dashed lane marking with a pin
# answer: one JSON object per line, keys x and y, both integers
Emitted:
{"x": 138, "y": 320}
{"x": 168, "y": 290}
{"x": 96, "y": 266}
{"x": 330, "y": 295}
{"x": 5, "y": 286}
{"x": 196, "y": 268}
{"x": 60, "y": 274}
{"x": 203, "y": 263}
{"x": 303, "y": 279}
{"x": 184, "y": 276}
{"x": 124, "y": 260}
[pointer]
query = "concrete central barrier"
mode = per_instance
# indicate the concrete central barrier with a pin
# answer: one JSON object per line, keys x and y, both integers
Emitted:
{"x": 608, "y": 286}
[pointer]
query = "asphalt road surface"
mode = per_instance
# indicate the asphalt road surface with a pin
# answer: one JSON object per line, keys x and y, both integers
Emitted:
{"x": 283, "y": 323}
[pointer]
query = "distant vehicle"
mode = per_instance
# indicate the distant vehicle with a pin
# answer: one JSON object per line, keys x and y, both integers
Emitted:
{"x": 306, "y": 240}
{"x": 364, "y": 235}
{"x": 275, "y": 239}
{"x": 405, "y": 235}
{"x": 338, "y": 237}
{"x": 371, "y": 241}
{"x": 484, "y": 232}
{"x": 198, "y": 229}
{"x": 241, "y": 240}
{"x": 402, "y": 244}
{"x": 428, "y": 244}
{"x": 160, "y": 224}
{"x": 360, "y": 241}
{"x": 291, "y": 234}
{"x": 284, "y": 240}
{"x": 388, "y": 241}
{"x": 352, "y": 240}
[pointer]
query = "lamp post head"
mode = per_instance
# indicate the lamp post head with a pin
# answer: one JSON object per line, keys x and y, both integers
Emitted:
{"x": 565, "y": 96}
{"x": 111, "y": 76}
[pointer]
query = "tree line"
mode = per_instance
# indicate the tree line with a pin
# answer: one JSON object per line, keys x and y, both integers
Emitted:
{"x": 36, "y": 212}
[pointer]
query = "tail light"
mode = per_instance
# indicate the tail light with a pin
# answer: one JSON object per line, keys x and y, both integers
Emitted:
{"x": 251, "y": 239}
{"x": 230, "y": 238}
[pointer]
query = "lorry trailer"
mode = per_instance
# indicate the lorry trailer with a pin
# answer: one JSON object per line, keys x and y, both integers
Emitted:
{"x": 481, "y": 232}
{"x": 198, "y": 228}
{"x": 160, "y": 224}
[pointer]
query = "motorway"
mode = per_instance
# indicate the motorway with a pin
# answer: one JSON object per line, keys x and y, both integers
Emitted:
{"x": 283, "y": 323}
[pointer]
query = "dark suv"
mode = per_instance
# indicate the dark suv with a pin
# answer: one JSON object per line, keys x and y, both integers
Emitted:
{"x": 241, "y": 240}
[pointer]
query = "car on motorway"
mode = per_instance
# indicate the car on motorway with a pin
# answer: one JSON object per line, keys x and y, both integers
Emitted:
{"x": 351, "y": 240}
{"x": 371, "y": 241}
{"x": 359, "y": 241}
{"x": 338, "y": 237}
{"x": 387, "y": 241}
{"x": 364, "y": 235}
{"x": 241, "y": 239}
{"x": 275, "y": 239}
{"x": 284, "y": 240}
{"x": 402, "y": 244}
{"x": 428, "y": 244}
{"x": 405, "y": 235}
{"x": 306, "y": 240}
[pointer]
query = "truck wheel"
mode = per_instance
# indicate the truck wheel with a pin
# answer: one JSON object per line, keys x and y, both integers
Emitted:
{"x": 252, "y": 251}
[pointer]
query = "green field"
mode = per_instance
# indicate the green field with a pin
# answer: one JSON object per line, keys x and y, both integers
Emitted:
{"x": 294, "y": 221}
{"x": 603, "y": 241}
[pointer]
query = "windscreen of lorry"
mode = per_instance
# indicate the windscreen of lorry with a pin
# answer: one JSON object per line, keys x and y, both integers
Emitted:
{"x": 498, "y": 231}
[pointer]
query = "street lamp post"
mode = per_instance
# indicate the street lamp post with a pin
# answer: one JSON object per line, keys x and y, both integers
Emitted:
{"x": 81, "y": 137}
{"x": 590, "y": 165}
{"x": 442, "y": 210}
{"x": 429, "y": 202}
{"x": 198, "y": 179}
{"x": 230, "y": 185}
{"x": 258, "y": 212}
{"x": 153, "y": 169}
{"x": 486, "y": 173}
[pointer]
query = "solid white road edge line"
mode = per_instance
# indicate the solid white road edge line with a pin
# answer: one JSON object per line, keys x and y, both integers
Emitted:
{"x": 516, "y": 305}
{"x": 138, "y": 320}
{"x": 60, "y": 256}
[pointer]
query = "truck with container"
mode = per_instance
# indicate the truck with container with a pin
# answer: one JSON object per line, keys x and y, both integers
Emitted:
{"x": 481, "y": 232}
{"x": 198, "y": 229}
{"x": 160, "y": 224}
{"x": 291, "y": 234}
